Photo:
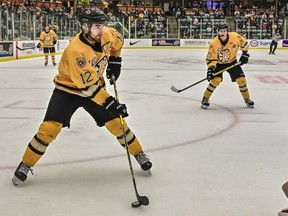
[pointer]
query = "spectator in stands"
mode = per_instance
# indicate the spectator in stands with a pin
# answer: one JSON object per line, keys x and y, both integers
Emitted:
{"x": 66, "y": 6}
{"x": 105, "y": 5}
{"x": 232, "y": 7}
{"x": 209, "y": 27}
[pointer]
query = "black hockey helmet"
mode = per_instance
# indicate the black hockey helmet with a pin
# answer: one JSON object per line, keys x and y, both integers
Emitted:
{"x": 91, "y": 15}
{"x": 222, "y": 26}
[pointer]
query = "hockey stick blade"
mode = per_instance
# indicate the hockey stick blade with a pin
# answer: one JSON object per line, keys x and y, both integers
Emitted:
{"x": 173, "y": 88}
{"x": 143, "y": 200}
{"x": 22, "y": 49}
{"x": 285, "y": 189}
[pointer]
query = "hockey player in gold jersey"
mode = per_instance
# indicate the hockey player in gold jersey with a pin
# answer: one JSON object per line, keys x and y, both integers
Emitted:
{"x": 48, "y": 39}
{"x": 222, "y": 53}
{"x": 80, "y": 83}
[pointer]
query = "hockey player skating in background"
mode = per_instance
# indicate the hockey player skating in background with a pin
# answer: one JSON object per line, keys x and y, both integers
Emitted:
{"x": 274, "y": 43}
{"x": 80, "y": 83}
{"x": 48, "y": 39}
{"x": 222, "y": 53}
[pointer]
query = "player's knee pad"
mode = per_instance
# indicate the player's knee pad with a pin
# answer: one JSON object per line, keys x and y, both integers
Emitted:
{"x": 241, "y": 81}
{"x": 115, "y": 127}
{"x": 49, "y": 130}
{"x": 216, "y": 81}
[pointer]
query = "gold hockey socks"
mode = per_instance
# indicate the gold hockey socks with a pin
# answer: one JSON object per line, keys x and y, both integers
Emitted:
{"x": 243, "y": 87}
{"x": 47, "y": 132}
{"x": 114, "y": 126}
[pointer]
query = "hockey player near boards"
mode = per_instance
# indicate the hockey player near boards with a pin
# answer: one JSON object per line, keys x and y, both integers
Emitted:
{"x": 48, "y": 39}
{"x": 222, "y": 53}
{"x": 80, "y": 83}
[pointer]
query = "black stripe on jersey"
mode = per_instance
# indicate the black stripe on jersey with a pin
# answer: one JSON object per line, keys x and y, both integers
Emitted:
{"x": 68, "y": 87}
{"x": 208, "y": 61}
{"x": 120, "y": 38}
{"x": 35, "y": 150}
{"x": 86, "y": 88}
{"x": 95, "y": 92}
{"x": 244, "y": 45}
{"x": 40, "y": 141}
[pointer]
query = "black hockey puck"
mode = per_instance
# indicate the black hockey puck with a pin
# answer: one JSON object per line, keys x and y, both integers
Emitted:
{"x": 136, "y": 204}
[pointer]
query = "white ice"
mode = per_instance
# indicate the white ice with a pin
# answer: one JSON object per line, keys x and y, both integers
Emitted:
{"x": 229, "y": 160}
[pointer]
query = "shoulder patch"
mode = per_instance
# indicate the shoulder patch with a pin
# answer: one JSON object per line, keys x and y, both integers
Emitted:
{"x": 81, "y": 62}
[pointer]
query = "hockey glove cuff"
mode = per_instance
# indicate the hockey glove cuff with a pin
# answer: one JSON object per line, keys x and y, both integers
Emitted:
{"x": 115, "y": 107}
{"x": 244, "y": 58}
{"x": 113, "y": 68}
{"x": 210, "y": 72}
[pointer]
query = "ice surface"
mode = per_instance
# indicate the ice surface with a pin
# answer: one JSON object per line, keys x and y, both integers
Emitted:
{"x": 228, "y": 160}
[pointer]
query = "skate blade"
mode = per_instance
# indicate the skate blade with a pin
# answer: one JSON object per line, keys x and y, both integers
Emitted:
{"x": 204, "y": 106}
{"x": 250, "y": 106}
{"x": 16, "y": 181}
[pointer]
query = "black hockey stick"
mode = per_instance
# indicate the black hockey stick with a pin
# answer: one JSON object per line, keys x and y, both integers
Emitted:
{"x": 173, "y": 88}
{"x": 22, "y": 49}
{"x": 141, "y": 200}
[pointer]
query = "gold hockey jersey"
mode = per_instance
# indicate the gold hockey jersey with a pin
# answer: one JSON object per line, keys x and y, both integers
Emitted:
{"x": 82, "y": 66}
{"x": 47, "y": 38}
{"x": 219, "y": 54}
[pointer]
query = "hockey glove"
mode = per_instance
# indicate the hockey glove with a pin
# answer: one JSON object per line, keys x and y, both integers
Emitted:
{"x": 244, "y": 58}
{"x": 210, "y": 72}
{"x": 38, "y": 45}
{"x": 113, "y": 68}
{"x": 115, "y": 107}
{"x": 54, "y": 42}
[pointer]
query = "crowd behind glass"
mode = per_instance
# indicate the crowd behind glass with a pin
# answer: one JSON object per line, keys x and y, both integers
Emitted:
{"x": 24, "y": 20}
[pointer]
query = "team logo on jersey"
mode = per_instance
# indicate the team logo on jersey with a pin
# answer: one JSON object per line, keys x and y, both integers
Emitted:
{"x": 81, "y": 62}
{"x": 209, "y": 55}
{"x": 219, "y": 49}
{"x": 47, "y": 37}
{"x": 234, "y": 47}
{"x": 224, "y": 55}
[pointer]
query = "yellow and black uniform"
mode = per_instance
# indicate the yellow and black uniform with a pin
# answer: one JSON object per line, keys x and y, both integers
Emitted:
{"x": 80, "y": 83}
{"x": 48, "y": 39}
{"x": 222, "y": 55}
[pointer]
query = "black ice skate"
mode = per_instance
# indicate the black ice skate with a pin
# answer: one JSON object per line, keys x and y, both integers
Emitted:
{"x": 283, "y": 212}
{"x": 249, "y": 103}
{"x": 54, "y": 63}
{"x": 205, "y": 103}
{"x": 20, "y": 175}
{"x": 144, "y": 161}
{"x": 46, "y": 63}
